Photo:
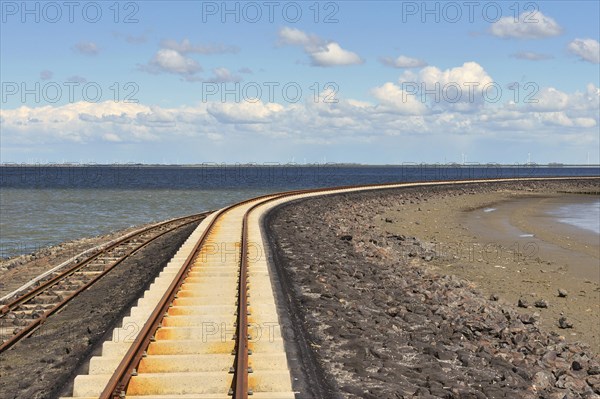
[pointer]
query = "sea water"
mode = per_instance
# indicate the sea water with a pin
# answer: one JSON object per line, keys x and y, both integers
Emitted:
{"x": 584, "y": 215}
{"x": 43, "y": 205}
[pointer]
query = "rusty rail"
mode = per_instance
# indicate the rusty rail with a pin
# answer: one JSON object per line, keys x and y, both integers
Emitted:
{"x": 117, "y": 385}
{"x": 241, "y": 390}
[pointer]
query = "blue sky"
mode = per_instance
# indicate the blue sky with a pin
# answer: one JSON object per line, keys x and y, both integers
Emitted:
{"x": 369, "y": 82}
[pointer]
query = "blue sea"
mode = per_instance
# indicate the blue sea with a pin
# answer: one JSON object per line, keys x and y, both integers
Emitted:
{"x": 42, "y": 205}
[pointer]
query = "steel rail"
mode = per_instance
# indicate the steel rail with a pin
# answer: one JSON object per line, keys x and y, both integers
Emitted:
{"x": 119, "y": 381}
{"x": 240, "y": 389}
{"x": 30, "y": 328}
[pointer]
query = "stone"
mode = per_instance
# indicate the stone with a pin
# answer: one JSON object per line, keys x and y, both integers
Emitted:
{"x": 594, "y": 370}
{"x": 543, "y": 380}
{"x": 573, "y": 383}
{"x": 562, "y": 293}
{"x": 541, "y": 303}
{"x": 594, "y": 382}
{"x": 563, "y": 322}
{"x": 522, "y": 303}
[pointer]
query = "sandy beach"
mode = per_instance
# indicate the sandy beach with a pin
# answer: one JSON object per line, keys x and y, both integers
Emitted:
{"x": 509, "y": 247}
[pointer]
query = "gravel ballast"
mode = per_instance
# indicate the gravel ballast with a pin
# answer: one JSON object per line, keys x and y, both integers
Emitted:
{"x": 43, "y": 365}
{"x": 381, "y": 324}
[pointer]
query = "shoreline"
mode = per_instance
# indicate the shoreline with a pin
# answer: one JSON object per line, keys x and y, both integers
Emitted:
{"x": 494, "y": 251}
{"x": 531, "y": 258}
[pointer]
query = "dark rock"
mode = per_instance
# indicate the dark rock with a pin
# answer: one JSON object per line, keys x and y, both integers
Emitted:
{"x": 346, "y": 238}
{"x": 352, "y": 389}
{"x": 541, "y": 303}
{"x": 543, "y": 380}
{"x": 562, "y": 293}
{"x": 563, "y": 322}
{"x": 594, "y": 370}
{"x": 573, "y": 383}
{"x": 529, "y": 319}
{"x": 594, "y": 382}
{"x": 522, "y": 303}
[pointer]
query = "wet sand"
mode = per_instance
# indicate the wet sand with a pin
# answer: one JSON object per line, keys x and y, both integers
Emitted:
{"x": 516, "y": 251}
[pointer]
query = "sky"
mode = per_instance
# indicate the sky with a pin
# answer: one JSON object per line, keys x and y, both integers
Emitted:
{"x": 373, "y": 82}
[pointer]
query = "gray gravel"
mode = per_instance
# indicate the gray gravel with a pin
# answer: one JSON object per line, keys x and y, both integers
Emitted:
{"x": 385, "y": 326}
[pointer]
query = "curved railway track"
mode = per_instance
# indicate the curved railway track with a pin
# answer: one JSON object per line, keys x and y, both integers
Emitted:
{"x": 26, "y": 310}
{"x": 208, "y": 326}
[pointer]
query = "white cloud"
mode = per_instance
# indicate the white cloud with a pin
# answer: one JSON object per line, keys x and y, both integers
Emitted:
{"x": 557, "y": 116}
{"x": 111, "y": 137}
{"x": 469, "y": 72}
{"x": 156, "y": 117}
{"x": 244, "y": 112}
{"x": 173, "y": 57}
{"x": 187, "y": 47}
{"x": 322, "y": 53}
{"x": 333, "y": 55}
{"x": 393, "y": 99}
{"x": 550, "y": 100}
{"x": 458, "y": 89}
{"x": 587, "y": 49}
{"x": 527, "y": 26}
{"x": 223, "y": 75}
{"x": 86, "y": 48}
{"x": 171, "y": 61}
{"x": 403, "y": 62}
{"x": 531, "y": 56}
{"x": 296, "y": 37}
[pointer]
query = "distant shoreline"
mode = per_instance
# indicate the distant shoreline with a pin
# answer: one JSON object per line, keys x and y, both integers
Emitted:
{"x": 296, "y": 164}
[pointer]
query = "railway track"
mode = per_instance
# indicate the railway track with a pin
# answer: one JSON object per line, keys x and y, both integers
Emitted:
{"x": 208, "y": 326}
{"x": 25, "y": 310}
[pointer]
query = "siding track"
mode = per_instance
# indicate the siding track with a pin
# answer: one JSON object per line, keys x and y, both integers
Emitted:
{"x": 28, "y": 308}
